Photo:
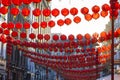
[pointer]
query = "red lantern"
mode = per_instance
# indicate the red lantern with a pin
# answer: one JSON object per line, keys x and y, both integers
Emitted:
{"x": 10, "y": 25}
{"x": 1, "y": 30}
{"x": 55, "y": 12}
{"x": 36, "y": 1}
{"x": 67, "y": 21}
{"x": 46, "y": 37}
{"x": 55, "y": 37}
{"x": 32, "y": 36}
{"x": 95, "y": 35}
{"x": 3, "y": 10}
{"x": 79, "y": 37}
{"x": 40, "y": 36}
{"x": 4, "y": 25}
{"x": 27, "y": 1}
{"x": 71, "y": 37}
{"x": 17, "y": 2}
{"x": 36, "y": 12}
{"x": 104, "y": 13}
{"x": 60, "y": 22}
{"x": 14, "y": 11}
{"x": 74, "y": 11}
{"x": 3, "y": 38}
{"x": 18, "y": 25}
{"x": 51, "y": 23}
{"x": 64, "y": 11}
{"x": 23, "y": 35}
{"x": 26, "y": 25}
{"x": 114, "y": 13}
{"x": 43, "y": 24}
{"x": 14, "y": 34}
{"x": 6, "y": 32}
{"x": 25, "y": 12}
{"x": 87, "y": 36}
{"x": 118, "y": 31}
{"x": 88, "y": 17}
{"x": 103, "y": 35}
{"x": 105, "y": 7}
{"x": 6, "y": 2}
{"x": 46, "y": 12}
{"x": 63, "y": 37}
{"x": 35, "y": 25}
{"x": 95, "y": 15}
{"x": 95, "y": 9}
{"x": 84, "y": 10}
{"x": 77, "y": 19}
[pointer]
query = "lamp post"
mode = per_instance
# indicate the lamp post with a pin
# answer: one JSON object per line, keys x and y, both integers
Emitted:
{"x": 113, "y": 8}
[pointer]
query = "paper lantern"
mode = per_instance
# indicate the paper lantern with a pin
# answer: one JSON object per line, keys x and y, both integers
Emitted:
{"x": 95, "y": 9}
{"x": 95, "y": 35}
{"x": 43, "y": 24}
{"x": 40, "y": 36}
{"x": 84, "y": 10}
{"x": 71, "y": 37}
{"x": 51, "y": 23}
{"x": 32, "y": 36}
{"x": 114, "y": 13}
{"x": 36, "y": 12}
{"x": 67, "y": 21}
{"x": 77, "y": 19}
{"x": 95, "y": 15}
{"x": 17, "y": 2}
{"x": 55, "y": 12}
{"x": 14, "y": 11}
{"x": 3, "y": 39}
{"x": 118, "y": 31}
{"x": 46, "y": 37}
{"x": 87, "y": 36}
{"x": 88, "y": 17}
{"x": 103, "y": 13}
{"x": 6, "y": 2}
{"x": 25, "y": 12}
{"x": 14, "y": 34}
{"x": 103, "y": 35}
{"x": 27, "y": 2}
{"x": 23, "y": 35}
{"x": 79, "y": 37}
{"x": 36, "y": 1}
{"x": 46, "y": 12}
{"x": 60, "y": 22}
{"x": 4, "y": 25}
{"x": 3, "y": 10}
{"x": 35, "y": 25}
{"x": 55, "y": 37}
{"x": 63, "y": 37}
{"x": 10, "y": 25}
{"x": 18, "y": 25}
{"x": 26, "y": 25}
{"x": 64, "y": 11}
{"x": 105, "y": 7}
{"x": 6, "y": 32}
{"x": 74, "y": 11}
{"x": 1, "y": 30}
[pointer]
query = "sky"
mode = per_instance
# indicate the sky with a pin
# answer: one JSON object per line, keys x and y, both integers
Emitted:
{"x": 84, "y": 26}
